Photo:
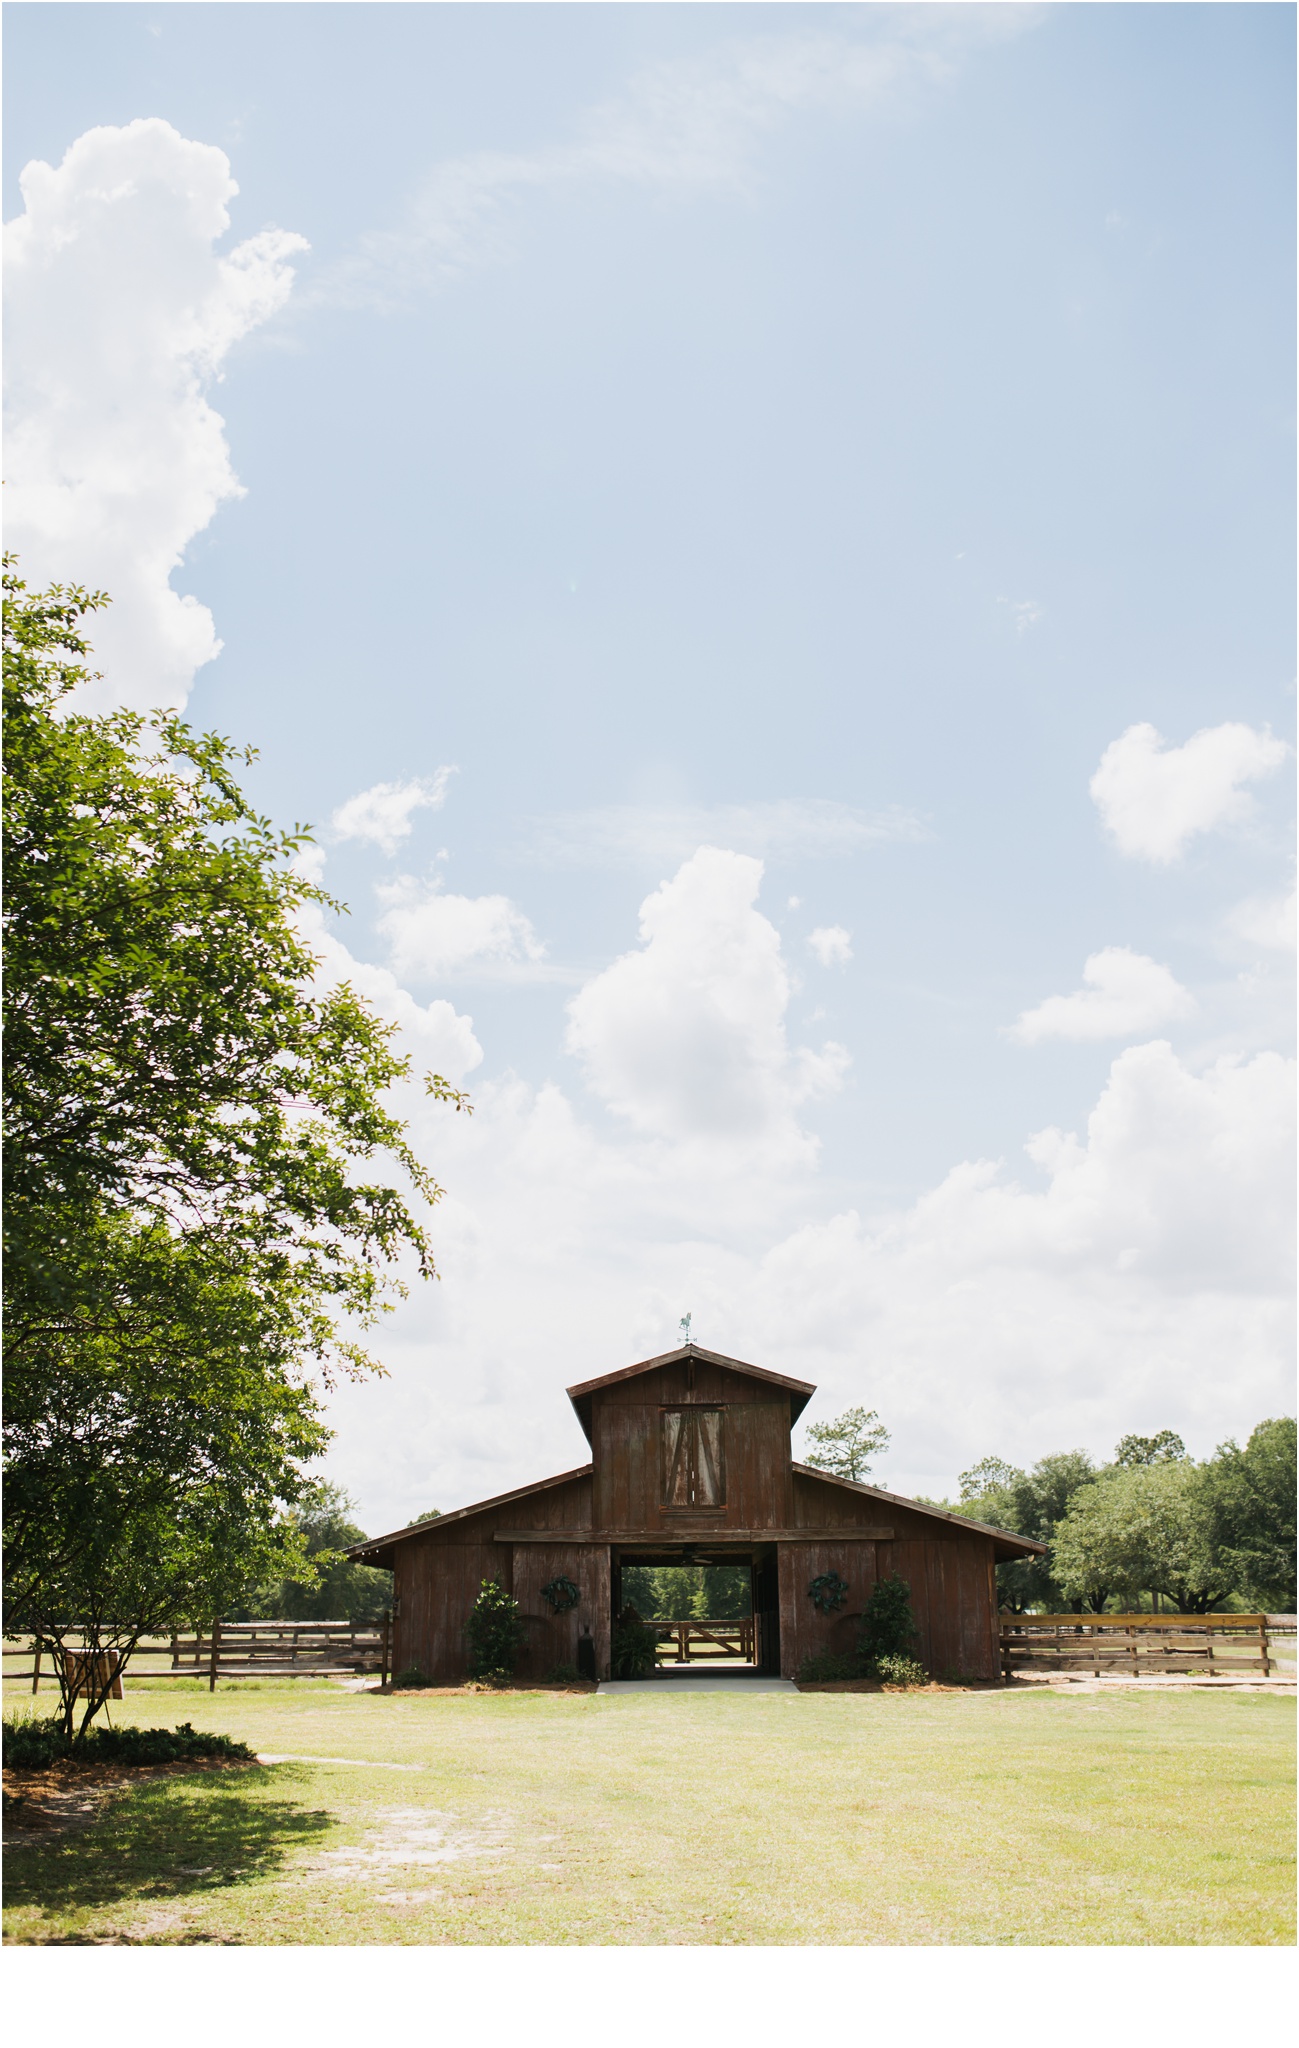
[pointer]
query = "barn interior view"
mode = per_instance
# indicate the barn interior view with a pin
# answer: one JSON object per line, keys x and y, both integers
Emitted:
{"x": 716, "y": 1609}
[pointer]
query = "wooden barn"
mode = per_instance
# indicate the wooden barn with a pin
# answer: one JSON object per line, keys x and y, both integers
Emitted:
{"x": 691, "y": 1464}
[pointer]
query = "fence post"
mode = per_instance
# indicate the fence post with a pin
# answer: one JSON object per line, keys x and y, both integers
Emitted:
{"x": 1262, "y": 1646}
{"x": 36, "y": 1664}
{"x": 383, "y": 1652}
{"x": 212, "y": 1660}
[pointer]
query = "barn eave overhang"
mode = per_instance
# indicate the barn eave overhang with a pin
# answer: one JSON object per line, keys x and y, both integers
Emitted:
{"x": 1006, "y": 1544}
{"x": 380, "y": 1550}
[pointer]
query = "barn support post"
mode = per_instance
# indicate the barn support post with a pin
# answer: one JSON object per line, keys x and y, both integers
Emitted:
{"x": 383, "y": 1651}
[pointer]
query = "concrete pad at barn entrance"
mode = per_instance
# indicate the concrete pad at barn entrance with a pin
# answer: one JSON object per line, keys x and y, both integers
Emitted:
{"x": 678, "y": 1685}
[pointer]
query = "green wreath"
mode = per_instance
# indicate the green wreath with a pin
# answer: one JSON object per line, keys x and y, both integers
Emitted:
{"x": 828, "y": 1592}
{"x": 561, "y": 1594}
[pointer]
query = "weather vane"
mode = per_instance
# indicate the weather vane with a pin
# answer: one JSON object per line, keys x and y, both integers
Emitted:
{"x": 685, "y": 1329}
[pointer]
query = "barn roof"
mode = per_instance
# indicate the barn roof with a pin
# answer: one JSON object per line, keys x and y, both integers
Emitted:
{"x": 1009, "y": 1545}
{"x": 367, "y": 1552}
{"x": 580, "y": 1395}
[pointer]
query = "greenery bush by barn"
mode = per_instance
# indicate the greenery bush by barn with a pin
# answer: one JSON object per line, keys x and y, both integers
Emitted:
{"x": 633, "y": 1647}
{"x": 494, "y": 1634}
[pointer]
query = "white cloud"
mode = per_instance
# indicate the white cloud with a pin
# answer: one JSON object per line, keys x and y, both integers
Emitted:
{"x": 1153, "y": 798}
{"x": 431, "y": 935}
{"x": 1267, "y": 921}
{"x": 383, "y": 814}
{"x": 685, "y": 1037}
{"x": 1139, "y": 1277}
{"x": 1145, "y": 1283}
{"x": 119, "y": 312}
{"x": 831, "y": 944}
{"x": 1127, "y": 995}
{"x": 662, "y": 835}
{"x": 436, "y": 1037}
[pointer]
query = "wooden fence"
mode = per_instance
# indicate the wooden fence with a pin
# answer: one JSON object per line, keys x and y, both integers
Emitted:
{"x": 724, "y": 1638}
{"x": 237, "y": 1649}
{"x": 1145, "y": 1644}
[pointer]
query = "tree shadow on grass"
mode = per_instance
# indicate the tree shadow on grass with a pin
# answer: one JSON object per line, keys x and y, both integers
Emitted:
{"x": 176, "y": 1838}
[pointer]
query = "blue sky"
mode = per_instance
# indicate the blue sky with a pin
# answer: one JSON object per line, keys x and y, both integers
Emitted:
{"x": 816, "y": 435}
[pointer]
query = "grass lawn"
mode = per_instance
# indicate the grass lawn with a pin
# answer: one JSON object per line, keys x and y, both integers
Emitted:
{"x": 838, "y": 1818}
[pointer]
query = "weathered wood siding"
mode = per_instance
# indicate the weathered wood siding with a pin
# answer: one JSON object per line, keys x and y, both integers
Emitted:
{"x": 438, "y": 1574}
{"x": 626, "y": 1434}
{"x": 553, "y": 1638}
{"x": 951, "y": 1576}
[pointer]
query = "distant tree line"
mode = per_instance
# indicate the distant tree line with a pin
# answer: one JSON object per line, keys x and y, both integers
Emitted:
{"x": 1151, "y": 1523}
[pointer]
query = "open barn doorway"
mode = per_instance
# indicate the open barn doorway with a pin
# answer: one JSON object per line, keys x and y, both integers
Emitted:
{"x": 708, "y": 1609}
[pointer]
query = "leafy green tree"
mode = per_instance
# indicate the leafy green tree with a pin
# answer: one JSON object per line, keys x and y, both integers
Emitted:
{"x": 1143, "y": 1527}
{"x": 1028, "y": 1504}
{"x": 190, "y": 1127}
{"x": 429, "y": 1515}
{"x": 494, "y": 1634}
{"x": 337, "y": 1589}
{"x": 1250, "y": 1504}
{"x": 1165, "y": 1448}
{"x": 165, "y": 1052}
{"x": 847, "y": 1445}
{"x": 689, "y": 1592}
{"x": 154, "y": 1433}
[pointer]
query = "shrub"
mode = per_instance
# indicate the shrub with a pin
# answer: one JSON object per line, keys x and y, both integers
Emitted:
{"x": 32, "y": 1745}
{"x": 563, "y": 1674}
{"x": 409, "y": 1679}
{"x": 634, "y": 1645}
{"x": 895, "y": 1670}
{"x": 494, "y": 1634}
{"x": 887, "y": 1626}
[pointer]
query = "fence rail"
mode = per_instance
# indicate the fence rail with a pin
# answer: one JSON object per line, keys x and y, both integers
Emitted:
{"x": 725, "y": 1638}
{"x": 1145, "y": 1644}
{"x": 231, "y": 1649}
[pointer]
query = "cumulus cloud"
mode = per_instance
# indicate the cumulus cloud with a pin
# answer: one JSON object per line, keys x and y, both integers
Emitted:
{"x": 1153, "y": 799}
{"x": 382, "y": 814}
{"x": 1136, "y": 1274}
{"x": 660, "y": 835}
{"x": 685, "y": 1037}
{"x": 431, "y": 935}
{"x": 831, "y": 944}
{"x": 1126, "y": 995}
{"x": 119, "y": 312}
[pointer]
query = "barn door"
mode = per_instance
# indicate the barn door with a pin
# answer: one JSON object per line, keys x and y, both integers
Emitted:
{"x": 693, "y": 1457}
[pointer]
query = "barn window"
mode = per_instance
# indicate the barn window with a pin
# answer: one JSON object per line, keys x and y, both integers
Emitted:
{"x": 694, "y": 1458}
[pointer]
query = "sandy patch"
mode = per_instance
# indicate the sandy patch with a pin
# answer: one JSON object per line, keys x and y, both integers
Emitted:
{"x": 413, "y": 1838}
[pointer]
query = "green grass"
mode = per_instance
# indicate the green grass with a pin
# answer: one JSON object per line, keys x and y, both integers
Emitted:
{"x": 834, "y": 1818}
